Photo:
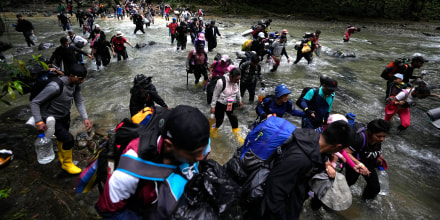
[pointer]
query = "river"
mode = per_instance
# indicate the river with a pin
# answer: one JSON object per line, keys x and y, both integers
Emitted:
{"x": 413, "y": 157}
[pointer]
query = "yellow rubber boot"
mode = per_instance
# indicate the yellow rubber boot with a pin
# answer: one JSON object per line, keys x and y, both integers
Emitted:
{"x": 214, "y": 132}
{"x": 60, "y": 155}
{"x": 237, "y": 135}
{"x": 67, "y": 163}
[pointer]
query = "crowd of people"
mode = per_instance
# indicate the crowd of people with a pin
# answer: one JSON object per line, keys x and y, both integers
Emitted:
{"x": 180, "y": 137}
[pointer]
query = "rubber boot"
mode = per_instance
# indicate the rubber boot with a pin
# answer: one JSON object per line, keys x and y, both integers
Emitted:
{"x": 237, "y": 135}
{"x": 67, "y": 163}
{"x": 214, "y": 132}
{"x": 60, "y": 155}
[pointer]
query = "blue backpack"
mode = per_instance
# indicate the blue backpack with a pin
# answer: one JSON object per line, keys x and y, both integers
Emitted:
{"x": 263, "y": 140}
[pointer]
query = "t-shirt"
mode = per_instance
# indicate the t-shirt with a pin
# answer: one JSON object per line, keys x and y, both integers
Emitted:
{"x": 119, "y": 43}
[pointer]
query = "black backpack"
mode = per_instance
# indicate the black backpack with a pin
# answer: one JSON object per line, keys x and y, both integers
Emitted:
{"x": 303, "y": 93}
{"x": 44, "y": 78}
{"x": 211, "y": 86}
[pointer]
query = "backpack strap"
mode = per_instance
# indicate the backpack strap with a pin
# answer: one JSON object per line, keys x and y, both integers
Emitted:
{"x": 364, "y": 142}
{"x": 144, "y": 169}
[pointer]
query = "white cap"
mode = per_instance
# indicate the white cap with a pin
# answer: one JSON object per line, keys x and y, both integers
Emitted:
{"x": 261, "y": 34}
{"x": 225, "y": 58}
{"x": 398, "y": 75}
{"x": 96, "y": 25}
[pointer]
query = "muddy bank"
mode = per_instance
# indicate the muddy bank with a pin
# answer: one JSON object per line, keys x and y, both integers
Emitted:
{"x": 38, "y": 191}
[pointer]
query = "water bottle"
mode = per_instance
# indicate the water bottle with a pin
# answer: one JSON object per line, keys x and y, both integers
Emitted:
{"x": 44, "y": 149}
{"x": 383, "y": 180}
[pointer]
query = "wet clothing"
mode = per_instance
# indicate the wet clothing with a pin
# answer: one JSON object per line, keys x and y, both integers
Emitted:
{"x": 307, "y": 55}
{"x": 65, "y": 57}
{"x": 182, "y": 35}
{"x": 102, "y": 54}
{"x": 250, "y": 74}
{"x": 392, "y": 109}
{"x": 269, "y": 106}
{"x": 197, "y": 63}
{"x": 119, "y": 48}
{"x": 49, "y": 102}
{"x": 211, "y": 36}
{"x": 287, "y": 186}
{"x": 172, "y": 31}
{"x": 320, "y": 104}
{"x": 144, "y": 97}
{"x": 137, "y": 19}
{"x": 368, "y": 156}
{"x": 26, "y": 27}
{"x": 278, "y": 50}
{"x": 220, "y": 101}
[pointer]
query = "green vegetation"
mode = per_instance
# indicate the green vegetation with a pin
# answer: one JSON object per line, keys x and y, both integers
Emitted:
{"x": 4, "y": 193}
{"x": 9, "y": 83}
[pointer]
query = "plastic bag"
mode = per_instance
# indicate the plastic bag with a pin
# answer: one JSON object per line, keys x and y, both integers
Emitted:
{"x": 211, "y": 194}
{"x": 34, "y": 38}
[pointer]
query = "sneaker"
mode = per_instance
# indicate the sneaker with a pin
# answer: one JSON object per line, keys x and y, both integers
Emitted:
{"x": 50, "y": 122}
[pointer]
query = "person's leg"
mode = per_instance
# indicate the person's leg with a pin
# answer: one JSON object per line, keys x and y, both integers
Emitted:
{"x": 65, "y": 142}
{"x": 242, "y": 88}
{"x": 299, "y": 55}
{"x": 390, "y": 111}
{"x": 405, "y": 118}
{"x": 373, "y": 185}
{"x": 125, "y": 54}
{"x": 197, "y": 75}
{"x": 351, "y": 176}
{"x": 251, "y": 89}
{"x": 220, "y": 110}
{"x": 98, "y": 59}
{"x": 119, "y": 54}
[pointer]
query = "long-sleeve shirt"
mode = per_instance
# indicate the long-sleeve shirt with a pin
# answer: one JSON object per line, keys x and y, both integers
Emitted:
{"x": 65, "y": 57}
{"x": 231, "y": 91}
{"x": 47, "y": 103}
{"x": 279, "y": 49}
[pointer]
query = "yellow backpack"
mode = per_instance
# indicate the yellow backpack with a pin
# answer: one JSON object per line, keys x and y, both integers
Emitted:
{"x": 244, "y": 46}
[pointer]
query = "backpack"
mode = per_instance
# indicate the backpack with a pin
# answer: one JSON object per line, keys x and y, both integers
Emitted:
{"x": 244, "y": 46}
{"x": 109, "y": 154}
{"x": 391, "y": 69}
{"x": 303, "y": 93}
{"x": 211, "y": 86}
{"x": 43, "y": 78}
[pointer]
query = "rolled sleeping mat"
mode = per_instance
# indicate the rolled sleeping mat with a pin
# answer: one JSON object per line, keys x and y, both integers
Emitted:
{"x": 434, "y": 115}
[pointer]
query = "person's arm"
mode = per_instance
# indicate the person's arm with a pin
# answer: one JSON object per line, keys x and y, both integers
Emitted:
{"x": 218, "y": 32}
{"x": 47, "y": 94}
{"x": 307, "y": 97}
{"x": 210, "y": 69}
{"x": 293, "y": 111}
{"x": 260, "y": 108}
{"x": 359, "y": 167}
{"x": 188, "y": 59}
{"x": 216, "y": 94}
{"x": 79, "y": 103}
{"x": 156, "y": 98}
{"x": 284, "y": 52}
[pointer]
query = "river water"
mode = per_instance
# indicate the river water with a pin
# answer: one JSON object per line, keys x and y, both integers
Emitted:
{"x": 413, "y": 158}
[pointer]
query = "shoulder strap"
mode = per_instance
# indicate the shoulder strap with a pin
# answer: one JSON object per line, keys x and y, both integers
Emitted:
{"x": 144, "y": 169}
{"x": 224, "y": 82}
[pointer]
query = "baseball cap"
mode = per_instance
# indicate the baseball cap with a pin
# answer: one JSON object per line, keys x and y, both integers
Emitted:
{"x": 281, "y": 90}
{"x": 78, "y": 70}
{"x": 284, "y": 31}
{"x": 331, "y": 84}
{"x": 225, "y": 58}
{"x": 398, "y": 75}
{"x": 419, "y": 59}
{"x": 261, "y": 34}
{"x": 97, "y": 26}
{"x": 187, "y": 128}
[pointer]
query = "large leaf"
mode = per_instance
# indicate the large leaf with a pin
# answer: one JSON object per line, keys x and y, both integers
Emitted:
{"x": 11, "y": 92}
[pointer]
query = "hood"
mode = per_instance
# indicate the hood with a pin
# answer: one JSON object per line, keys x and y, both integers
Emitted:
{"x": 308, "y": 141}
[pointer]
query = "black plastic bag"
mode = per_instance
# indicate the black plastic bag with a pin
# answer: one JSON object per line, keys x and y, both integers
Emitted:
{"x": 210, "y": 194}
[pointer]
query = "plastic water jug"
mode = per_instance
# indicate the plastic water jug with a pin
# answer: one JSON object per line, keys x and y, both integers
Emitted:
{"x": 383, "y": 180}
{"x": 261, "y": 94}
{"x": 44, "y": 149}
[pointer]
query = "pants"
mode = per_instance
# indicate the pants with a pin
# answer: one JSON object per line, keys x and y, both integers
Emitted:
{"x": 62, "y": 133}
{"x": 212, "y": 43}
{"x": 120, "y": 16}
{"x": 139, "y": 28}
{"x": 173, "y": 36}
{"x": 181, "y": 43}
{"x": 249, "y": 87}
{"x": 391, "y": 110}
{"x": 122, "y": 53}
{"x": 65, "y": 26}
{"x": 373, "y": 186}
{"x": 199, "y": 71}
{"x": 220, "y": 110}
{"x": 308, "y": 123}
{"x": 27, "y": 36}
{"x": 300, "y": 55}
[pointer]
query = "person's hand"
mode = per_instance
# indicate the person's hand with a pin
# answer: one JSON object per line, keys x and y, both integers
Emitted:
{"x": 87, "y": 124}
{"x": 379, "y": 161}
{"x": 240, "y": 104}
{"x": 288, "y": 60}
{"x": 114, "y": 54}
{"x": 212, "y": 110}
{"x": 41, "y": 126}
{"x": 331, "y": 172}
{"x": 90, "y": 56}
{"x": 221, "y": 37}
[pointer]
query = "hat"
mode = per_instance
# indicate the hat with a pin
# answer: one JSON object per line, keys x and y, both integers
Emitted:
{"x": 187, "y": 128}
{"x": 201, "y": 36}
{"x": 331, "y": 84}
{"x": 225, "y": 58}
{"x": 97, "y": 26}
{"x": 78, "y": 70}
{"x": 119, "y": 34}
{"x": 336, "y": 117}
{"x": 284, "y": 31}
{"x": 398, "y": 75}
{"x": 419, "y": 59}
{"x": 70, "y": 31}
{"x": 281, "y": 90}
{"x": 338, "y": 196}
{"x": 307, "y": 35}
{"x": 261, "y": 34}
